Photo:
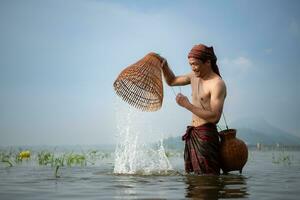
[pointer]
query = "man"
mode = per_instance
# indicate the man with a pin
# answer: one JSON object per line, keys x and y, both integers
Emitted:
{"x": 201, "y": 154}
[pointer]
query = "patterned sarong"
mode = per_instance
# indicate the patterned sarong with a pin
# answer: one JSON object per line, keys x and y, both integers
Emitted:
{"x": 201, "y": 153}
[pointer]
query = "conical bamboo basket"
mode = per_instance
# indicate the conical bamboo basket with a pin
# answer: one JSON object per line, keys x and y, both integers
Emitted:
{"x": 140, "y": 84}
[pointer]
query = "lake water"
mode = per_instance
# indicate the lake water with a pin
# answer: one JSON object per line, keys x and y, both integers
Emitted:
{"x": 267, "y": 175}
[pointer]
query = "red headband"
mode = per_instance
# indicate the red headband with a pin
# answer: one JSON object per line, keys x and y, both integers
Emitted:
{"x": 199, "y": 51}
{"x": 203, "y": 52}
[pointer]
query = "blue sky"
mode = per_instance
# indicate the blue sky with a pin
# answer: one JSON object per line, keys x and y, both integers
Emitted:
{"x": 59, "y": 59}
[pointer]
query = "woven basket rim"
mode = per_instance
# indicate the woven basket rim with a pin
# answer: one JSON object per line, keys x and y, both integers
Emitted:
{"x": 155, "y": 55}
{"x": 140, "y": 85}
{"x": 228, "y": 131}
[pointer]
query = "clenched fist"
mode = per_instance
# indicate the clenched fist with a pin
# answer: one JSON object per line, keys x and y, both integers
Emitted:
{"x": 182, "y": 100}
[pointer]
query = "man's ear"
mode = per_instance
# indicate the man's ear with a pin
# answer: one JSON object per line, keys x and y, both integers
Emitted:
{"x": 208, "y": 62}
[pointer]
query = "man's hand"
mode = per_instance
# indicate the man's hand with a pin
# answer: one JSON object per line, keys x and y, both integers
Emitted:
{"x": 170, "y": 77}
{"x": 182, "y": 100}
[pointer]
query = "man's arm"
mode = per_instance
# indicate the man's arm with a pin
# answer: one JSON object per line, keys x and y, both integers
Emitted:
{"x": 173, "y": 80}
{"x": 218, "y": 95}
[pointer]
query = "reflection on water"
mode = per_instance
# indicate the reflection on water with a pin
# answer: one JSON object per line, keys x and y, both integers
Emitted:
{"x": 215, "y": 187}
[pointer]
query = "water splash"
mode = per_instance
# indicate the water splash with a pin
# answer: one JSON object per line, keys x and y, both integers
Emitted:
{"x": 131, "y": 155}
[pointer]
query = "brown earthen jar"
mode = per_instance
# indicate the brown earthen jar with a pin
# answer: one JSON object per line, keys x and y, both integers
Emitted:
{"x": 233, "y": 151}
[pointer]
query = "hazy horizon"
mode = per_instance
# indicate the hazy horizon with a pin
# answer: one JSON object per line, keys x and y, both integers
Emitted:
{"x": 59, "y": 59}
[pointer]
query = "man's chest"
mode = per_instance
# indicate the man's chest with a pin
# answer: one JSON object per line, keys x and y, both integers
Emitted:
{"x": 200, "y": 91}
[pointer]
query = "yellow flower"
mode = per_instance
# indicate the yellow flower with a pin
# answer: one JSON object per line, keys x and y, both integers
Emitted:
{"x": 24, "y": 154}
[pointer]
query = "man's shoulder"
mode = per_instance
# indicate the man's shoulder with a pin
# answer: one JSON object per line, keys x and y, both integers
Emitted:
{"x": 218, "y": 81}
{"x": 191, "y": 75}
{"x": 218, "y": 84}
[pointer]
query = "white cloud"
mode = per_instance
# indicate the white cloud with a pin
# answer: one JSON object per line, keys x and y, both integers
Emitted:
{"x": 238, "y": 65}
{"x": 242, "y": 62}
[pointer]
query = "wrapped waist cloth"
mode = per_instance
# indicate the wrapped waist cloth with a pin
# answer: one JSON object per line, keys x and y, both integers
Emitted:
{"x": 201, "y": 152}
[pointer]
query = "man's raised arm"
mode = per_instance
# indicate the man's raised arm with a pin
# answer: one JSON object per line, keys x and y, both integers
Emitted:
{"x": 170, "y": 77}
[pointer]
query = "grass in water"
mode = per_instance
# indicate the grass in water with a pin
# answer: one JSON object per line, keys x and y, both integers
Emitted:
{"x": 5, "y": 158}
{"x": 69, "y": 159}
{"x": 282, "y": 158}
{"x": 11, "y": 157}
{"x": 58, "y": 161}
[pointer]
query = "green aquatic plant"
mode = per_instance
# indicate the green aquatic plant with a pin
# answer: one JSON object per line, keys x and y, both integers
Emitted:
{"x": 93, "y": 155}
{"x": 76, "y": 159}
{"x": 45, "y": 158}
{"x": 48, "y": 158}
{"x": 58, "y": 161}
{"x": 17, "y": 158}
{"x": 282, "y": 158}
{"x": 6, "y": 158}
{"x": 10, "y": 157}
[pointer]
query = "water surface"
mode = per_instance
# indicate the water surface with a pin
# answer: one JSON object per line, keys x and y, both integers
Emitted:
{"x": 267, "y": 175}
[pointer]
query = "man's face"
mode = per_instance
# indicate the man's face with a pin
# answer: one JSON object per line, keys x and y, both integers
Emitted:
{"x": 197, "y": 66}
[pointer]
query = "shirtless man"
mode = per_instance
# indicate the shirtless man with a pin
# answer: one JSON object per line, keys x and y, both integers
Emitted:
{"x": 208, "y": 95}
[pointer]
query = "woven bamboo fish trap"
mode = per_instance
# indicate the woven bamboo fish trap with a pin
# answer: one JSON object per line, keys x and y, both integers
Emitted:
{"x": 140, "y": 84}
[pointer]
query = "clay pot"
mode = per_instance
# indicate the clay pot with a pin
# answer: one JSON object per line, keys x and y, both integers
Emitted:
{"x": 140, "y": 84}
{"x": 233, "y": 151}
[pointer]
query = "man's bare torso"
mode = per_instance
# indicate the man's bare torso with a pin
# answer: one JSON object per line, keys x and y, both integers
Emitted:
{"x": 201, "y": 96}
